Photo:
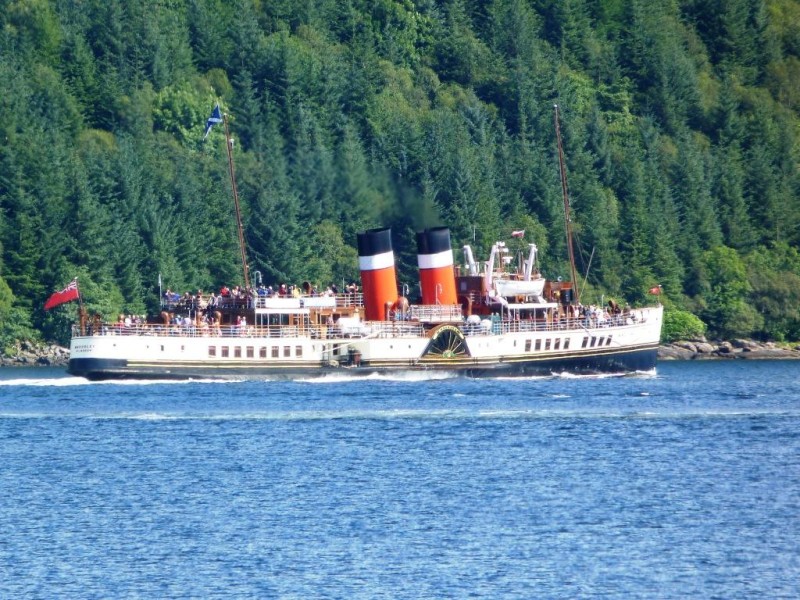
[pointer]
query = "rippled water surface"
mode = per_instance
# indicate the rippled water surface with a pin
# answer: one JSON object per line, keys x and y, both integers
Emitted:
{"x": 684, "y": 483}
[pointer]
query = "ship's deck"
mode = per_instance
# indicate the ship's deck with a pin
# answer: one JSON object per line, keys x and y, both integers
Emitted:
{"x": 376, "y": 329}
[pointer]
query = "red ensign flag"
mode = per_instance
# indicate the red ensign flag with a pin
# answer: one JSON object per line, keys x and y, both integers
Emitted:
{"x": 655, "y": 290}
{"x": 68, "y": 294}
{"x": 518, "y": 234}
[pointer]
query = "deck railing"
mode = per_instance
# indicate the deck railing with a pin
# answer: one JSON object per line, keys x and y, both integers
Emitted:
{"x": 361, "y": 329}
{"x": 347, "y": 300}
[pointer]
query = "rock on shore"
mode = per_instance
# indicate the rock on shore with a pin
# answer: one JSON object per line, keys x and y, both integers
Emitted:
{"x": 702, "y": 349}
{"x": 30, "y": 354}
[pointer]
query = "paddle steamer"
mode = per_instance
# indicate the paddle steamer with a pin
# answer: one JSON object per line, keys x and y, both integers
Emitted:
{"x": 472, "y": 320}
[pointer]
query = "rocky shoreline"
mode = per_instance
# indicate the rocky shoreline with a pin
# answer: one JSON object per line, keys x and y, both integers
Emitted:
{"x": 29, "y": 354}
{"x": 734, "y": 349}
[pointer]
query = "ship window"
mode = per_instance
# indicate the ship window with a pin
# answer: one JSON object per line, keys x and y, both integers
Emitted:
{"x": 237, "y": 352}
{"x": 566, "y": 344}
{"x": 527, "y": 345}
{"x": 298, "y": 351}
{"x": 162, "y": 347}
{"x": 275, "y": 352}
{"x": 557, "y": 344}
{"x": 600, "y": 341}
{"x": 287, "y": 351}
{"x": 608, "y": 341}
{"x": 547, "y": 344}
{"x": 538, "y": 345}
{"x": 212, "y": 350}
{"x": 262, "y": 352}
{"x": 336, "y": 350}
{"x": 594, "y": 341}
{"x": 224, "y": 352}
{"x": 250, "y": 352}
{"x": 585, "y": 341}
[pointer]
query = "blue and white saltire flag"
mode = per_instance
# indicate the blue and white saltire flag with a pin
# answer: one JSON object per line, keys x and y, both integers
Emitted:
{"x": 216, "y": 117}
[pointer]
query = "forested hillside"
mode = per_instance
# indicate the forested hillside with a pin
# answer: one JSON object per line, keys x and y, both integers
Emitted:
{"x": 680, "y": 121}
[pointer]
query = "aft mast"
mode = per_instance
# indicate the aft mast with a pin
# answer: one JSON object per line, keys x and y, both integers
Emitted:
{"x": 567, "y": 216}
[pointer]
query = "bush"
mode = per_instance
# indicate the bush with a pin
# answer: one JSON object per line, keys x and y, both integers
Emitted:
{"x": 14, "y": 329}
{"x": 681, "y": 325}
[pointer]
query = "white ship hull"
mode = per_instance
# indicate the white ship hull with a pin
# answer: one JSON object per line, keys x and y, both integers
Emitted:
{"x": 508, "y": 348}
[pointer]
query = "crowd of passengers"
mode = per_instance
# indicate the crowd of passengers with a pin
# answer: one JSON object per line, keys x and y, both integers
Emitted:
{"x": 239, "y": 296}
{"x": 598, "y": 316}
{"x": 206, "y": 320}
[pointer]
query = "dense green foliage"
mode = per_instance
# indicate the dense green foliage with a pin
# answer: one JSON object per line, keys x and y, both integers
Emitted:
{"x": 681, "y": 325}
{"x": 680, "y": 125}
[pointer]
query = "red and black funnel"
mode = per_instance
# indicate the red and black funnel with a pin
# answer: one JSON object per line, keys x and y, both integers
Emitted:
{"x": 378, "y": 277}
{"x": 435, "y": 259}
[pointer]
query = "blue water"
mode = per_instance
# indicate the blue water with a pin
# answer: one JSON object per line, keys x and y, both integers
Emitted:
{"x": 684, "y": 483}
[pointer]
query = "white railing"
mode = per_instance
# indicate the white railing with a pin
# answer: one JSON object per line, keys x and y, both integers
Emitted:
{"x": 380, "y": 329}
{"x": 435, "y": 313}
{"x": 353, "y": 299}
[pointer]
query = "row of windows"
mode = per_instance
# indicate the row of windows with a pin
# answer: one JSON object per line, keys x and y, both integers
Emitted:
{"x": 286, "y": 351}
{"x": 563, "y": 343}
{"x": 250, "y": 351}
{"x": 596, "y": 342}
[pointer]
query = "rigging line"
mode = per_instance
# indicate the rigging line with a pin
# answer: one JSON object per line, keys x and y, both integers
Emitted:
{"x": 586, "y": 276}
{"x": 240, "y": 228}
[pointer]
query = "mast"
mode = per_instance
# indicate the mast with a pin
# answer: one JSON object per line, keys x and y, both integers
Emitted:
{"x": 81, "y": 310}
{"x": 567, "y": 217}
{"x": 228, "y": 147}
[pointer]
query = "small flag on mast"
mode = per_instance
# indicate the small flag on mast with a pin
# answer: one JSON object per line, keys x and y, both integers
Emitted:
{"x": 216, "y": 117}
{"x": 656, "y": 291}
{"x": 520, "y": 233}
{"x": 68, "y": 294}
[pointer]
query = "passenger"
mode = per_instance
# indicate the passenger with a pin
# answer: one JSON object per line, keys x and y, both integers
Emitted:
{"x": 215, "y": 328}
